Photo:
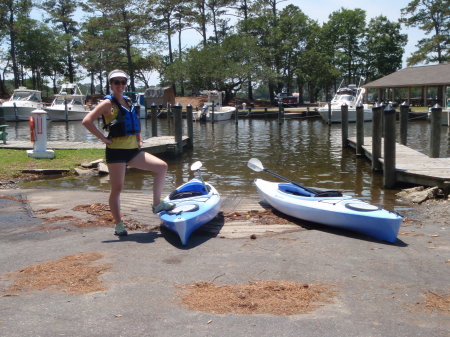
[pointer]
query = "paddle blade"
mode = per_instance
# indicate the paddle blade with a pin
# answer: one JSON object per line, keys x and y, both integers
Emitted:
{"x": 196, "y": 166}
{"x": 255, "y": 164}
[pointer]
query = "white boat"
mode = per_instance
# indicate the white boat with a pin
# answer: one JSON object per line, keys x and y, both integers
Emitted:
{"x": 68, "y": 105}
{"x": 140, "y": 104}
{"x": 20, "y": 105}
{"x": 213, "y": 108}
{"x": 351, "y": 96}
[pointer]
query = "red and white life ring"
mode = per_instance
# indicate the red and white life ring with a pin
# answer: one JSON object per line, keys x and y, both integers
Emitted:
{"x": 32, "y": 130}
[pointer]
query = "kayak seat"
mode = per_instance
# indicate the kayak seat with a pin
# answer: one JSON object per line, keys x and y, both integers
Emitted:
{"x": 310, "y": 192}
{"x": 184, "y": 194}
{"x": 325, "y": 193}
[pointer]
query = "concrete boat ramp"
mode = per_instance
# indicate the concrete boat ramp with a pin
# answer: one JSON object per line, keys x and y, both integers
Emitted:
{"x": 381, "y": 289}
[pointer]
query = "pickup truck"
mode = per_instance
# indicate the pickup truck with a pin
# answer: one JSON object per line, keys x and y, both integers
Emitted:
{"x": 286, "y": 99}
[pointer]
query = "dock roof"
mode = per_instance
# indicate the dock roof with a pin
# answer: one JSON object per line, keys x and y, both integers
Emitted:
{"x": 432, "y": 75}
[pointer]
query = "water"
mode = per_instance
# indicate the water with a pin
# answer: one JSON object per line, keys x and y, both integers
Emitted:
{"x": 305, "y": 150}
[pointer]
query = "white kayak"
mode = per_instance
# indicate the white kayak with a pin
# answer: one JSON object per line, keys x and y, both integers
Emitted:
{"x": 334, "y": 210}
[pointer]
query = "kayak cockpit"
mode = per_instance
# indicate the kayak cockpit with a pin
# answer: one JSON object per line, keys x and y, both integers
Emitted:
{"x": 310, "y": 192}
{"x": 189, "y": 190}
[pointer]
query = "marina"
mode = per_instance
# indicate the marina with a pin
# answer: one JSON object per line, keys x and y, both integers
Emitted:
{"x": 306, "y": 150}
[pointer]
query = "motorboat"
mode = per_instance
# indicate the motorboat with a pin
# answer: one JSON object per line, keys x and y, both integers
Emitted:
{"x": 68, "y": 105}
{"x": 212, "y": 110}
{"x": 20, "y": 105}
{"x": 351, "y": 96}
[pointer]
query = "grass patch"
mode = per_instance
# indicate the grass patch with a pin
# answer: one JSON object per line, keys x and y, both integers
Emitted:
{"x": 14, "y": 161}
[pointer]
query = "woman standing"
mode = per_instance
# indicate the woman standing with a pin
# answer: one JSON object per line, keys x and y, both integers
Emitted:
{"x": 123, "y": 146}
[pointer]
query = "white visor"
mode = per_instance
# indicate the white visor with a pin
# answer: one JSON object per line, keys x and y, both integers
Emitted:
{"x": 117, "y": 73}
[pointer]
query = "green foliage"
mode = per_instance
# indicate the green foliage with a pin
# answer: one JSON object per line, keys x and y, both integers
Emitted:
{"x": 345, "y": 32}
{"x": 383, "y": 48}
{"x": 14, "y": 161}
{"x": 433, "y": 17}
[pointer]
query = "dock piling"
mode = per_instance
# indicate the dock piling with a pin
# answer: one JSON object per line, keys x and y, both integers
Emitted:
{"x": 190, "y": 126}
{"x": 404, "y": 110}
{"x": 177, "y": 112}
{"x": 280, "y": 113}
{"x": 344, "y": 124}
{"x": 359, "y": 130}
{"x": 154, "y": 115}
{"x": 329, "y": 113}
{"x": 376, "y": 136}
{"x": 389, "y": 173}
{"x": 435, "y": 131}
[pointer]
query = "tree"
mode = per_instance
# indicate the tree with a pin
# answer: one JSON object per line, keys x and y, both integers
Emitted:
{"x": 217, "y": 8}
{"x": 124, "y": 24}
{"x": 431, "y": 16}
{"x": 315, "y": 68}
{"x": 383, "y": 48}
{"x": 10, "y": 12}
{"x": 167, "y": 16}
{"x": 216, "y": 67}
{"x": 345, "y": 32}
{"x": 61, "y": 15}
{"x": 37, "y": 50}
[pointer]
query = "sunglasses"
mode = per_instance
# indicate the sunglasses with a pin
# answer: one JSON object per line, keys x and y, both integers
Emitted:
{"x": 119, "y": 82}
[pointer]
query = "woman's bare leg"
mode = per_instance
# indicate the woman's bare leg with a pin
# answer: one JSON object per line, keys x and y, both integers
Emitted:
{"x": 147, "y": 162}
{"x": 116, "y": 178}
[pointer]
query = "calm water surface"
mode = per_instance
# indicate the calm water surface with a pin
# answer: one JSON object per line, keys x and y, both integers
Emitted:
{"x": 305, "y": 150}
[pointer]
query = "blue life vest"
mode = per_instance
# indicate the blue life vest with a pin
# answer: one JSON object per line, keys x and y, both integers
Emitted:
{"x": 127, "y": 122}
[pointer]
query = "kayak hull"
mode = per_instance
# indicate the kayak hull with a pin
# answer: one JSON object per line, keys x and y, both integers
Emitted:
{"x": 342, "y": 212}
{"x": 195, "y": 206}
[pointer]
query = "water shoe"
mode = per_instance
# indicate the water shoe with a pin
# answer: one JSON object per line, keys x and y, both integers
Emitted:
{"x": 120, "y": 229}
{"x": 163, "y": 206}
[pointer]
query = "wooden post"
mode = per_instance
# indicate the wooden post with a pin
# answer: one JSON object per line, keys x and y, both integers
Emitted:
{"x": 389, "y": 178}
{"x": 236, "y": 114}
{"x": 212, "y": 112}
{"x": 359, "y": 129}
{"x": 178, "y": 124}
{"x": 146, "y": 111}
{"x": 66, "y": 112}
{"x": 190, "y": 126}
{"x": 280, "y": 113}
{"x": 329, "y": 113}
{"x": 435, "y": 131}
{"x": 376, "y": 136}
{"x": 154, "y": 115}
{"x": 265, "y": 113}
{"x": 344, "y": 124}
{"x": 16, "y": 112}
{"x": 404, "y": 110}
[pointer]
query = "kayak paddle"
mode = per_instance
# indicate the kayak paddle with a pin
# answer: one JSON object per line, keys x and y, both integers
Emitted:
{"x": 196, "y": 167}
{"x": 256, "y": 165}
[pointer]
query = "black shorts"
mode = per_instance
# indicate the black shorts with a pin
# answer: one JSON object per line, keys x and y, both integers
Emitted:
{"x": 120, "y": 155}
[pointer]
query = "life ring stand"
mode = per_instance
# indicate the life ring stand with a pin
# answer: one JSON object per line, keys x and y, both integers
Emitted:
{"x": 32, "y": 129}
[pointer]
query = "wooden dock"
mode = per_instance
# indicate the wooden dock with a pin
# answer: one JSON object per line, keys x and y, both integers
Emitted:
{"x": 153, "y": 145}
{"x": 412, "y": 166}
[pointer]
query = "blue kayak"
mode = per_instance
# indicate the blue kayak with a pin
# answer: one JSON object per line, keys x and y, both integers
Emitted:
{"x": 329, "y": 208}
{"x": 197, "y": 203}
